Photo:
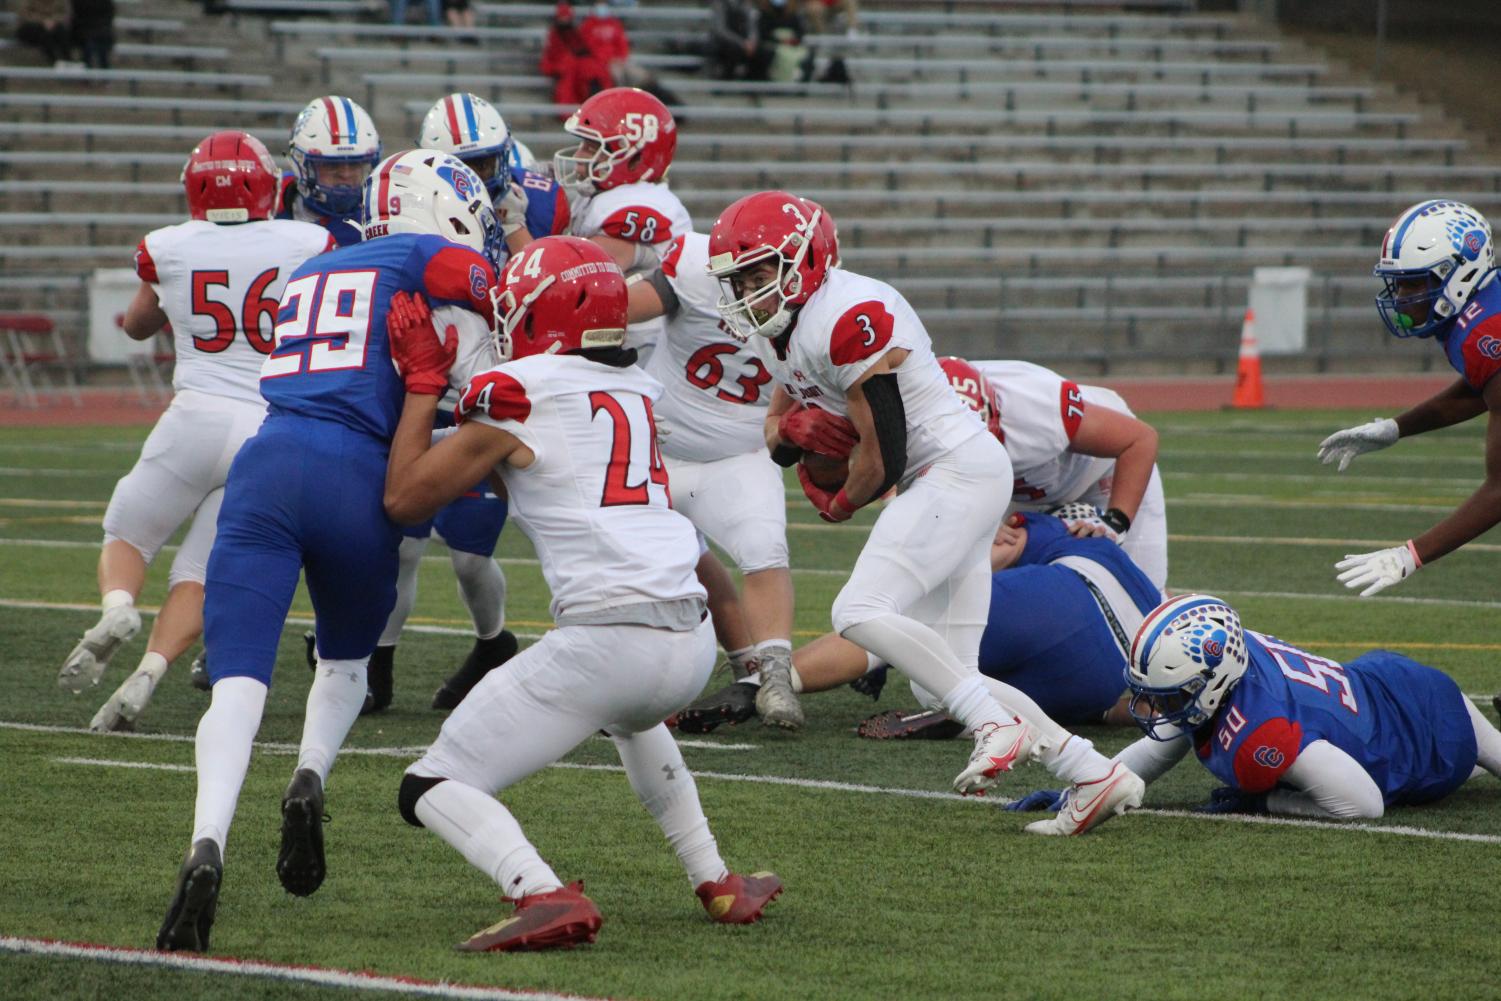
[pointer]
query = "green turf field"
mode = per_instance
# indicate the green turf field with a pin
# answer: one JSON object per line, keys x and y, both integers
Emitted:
{"x": 889, "y": 893}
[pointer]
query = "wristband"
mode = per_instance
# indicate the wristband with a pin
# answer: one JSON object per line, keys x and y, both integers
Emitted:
{"x": 1118, "y": 520}
{"x": 1412, "y": 551}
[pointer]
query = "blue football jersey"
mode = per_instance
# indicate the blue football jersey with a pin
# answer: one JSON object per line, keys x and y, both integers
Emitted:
{"x": 332, "y": 360}
{"x": 344, "y": 231}
{"x": 1405, "y": 723}
{"x": 1046, "y": 634}
{"x": 546, "y": 203}
{"x": 1472, "y": 340}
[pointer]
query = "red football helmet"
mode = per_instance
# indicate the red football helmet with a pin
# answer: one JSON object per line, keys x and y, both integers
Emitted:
{"x": 770, "y": 225}
{"x": 635, "y": 138}
{"x": 557, "y": 295}
{"x": 230, "y": 177}
{"x": 829, "y": 230}
{"x": 976, "y": 390}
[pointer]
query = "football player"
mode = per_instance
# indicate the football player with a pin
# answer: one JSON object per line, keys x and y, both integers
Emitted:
{"x": 713, "y": 406}
{"x": 566, "y": 423}
{"x": 616, "y": 178}
{"x": 1072, "y": 444}
{"x": 216, "y": 279}
{"x": 843, "y": 346}
{"x": 1290, "y": 732}
{"x": 1063, "y": 610}
{"x": 1438, "y": 270}
{"x": 304, "y": 494}
{"x": 334, "y": 146}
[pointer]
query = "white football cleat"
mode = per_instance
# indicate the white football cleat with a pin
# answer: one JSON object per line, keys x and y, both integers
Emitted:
{"x": 998, "y": 747}
{"x": 775, "y": 700}
{"x": 1090, "y": 804}
{"x": 86, "y": 664}
{"x": 126, "y": 705}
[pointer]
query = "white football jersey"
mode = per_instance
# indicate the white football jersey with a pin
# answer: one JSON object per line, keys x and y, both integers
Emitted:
{"x": 595, "y": 503}
{"x": 846, "y": 327}
{"x": 1040, "y": 414}
{"x": 715, "y": 388}
{"x": 219, "y": 286}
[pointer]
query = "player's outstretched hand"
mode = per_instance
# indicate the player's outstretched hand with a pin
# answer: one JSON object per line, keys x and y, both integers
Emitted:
{"x": 830, "y": 504}
{"x": 1042, "y": 799}
{"x": 1379, "y": 570}
{"x": 1083, "y": 521}
{"x": 1344, "y": 446}
{"x": 815, "y": 430}
{"x": 1228, "y": 800}
{"x": 512, "y": 209}
{"x": 421, "y": 356}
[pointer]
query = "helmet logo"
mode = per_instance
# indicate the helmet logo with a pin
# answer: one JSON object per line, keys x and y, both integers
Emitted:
{"x": 1474, "y": 241}
{"x": 1489, "y": 346}
{"x": 459, "y": 179}
{"x": 802, "y": 220}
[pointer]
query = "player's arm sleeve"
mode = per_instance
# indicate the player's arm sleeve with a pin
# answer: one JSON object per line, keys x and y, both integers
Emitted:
{"x": 662, "y": 285}
{"x": 1152, "y": 759}
{"x": 1327, "y": 783}
{"x": 1263, "y": 755}
{"x": 1482, "y": 352}
{"x": 889, "y": 415}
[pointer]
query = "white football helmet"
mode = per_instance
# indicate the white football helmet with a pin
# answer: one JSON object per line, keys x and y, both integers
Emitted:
{"x": 1187, "y": 656}
{"x": 429, "y": 191}
{"x": 1432, "y": 260}
{"x": 471, "y": 129}
{"x": 333, "y": 130}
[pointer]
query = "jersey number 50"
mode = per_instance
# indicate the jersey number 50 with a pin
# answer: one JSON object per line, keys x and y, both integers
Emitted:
{"x": 324, "y": 322}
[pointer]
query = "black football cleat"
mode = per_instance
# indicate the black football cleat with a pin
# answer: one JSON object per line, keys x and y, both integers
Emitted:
{"x": 310, "y": 647}
{"x": 299, "y": 864}
{"x": 198, "y": 674}
{"x": 379, "y": 679}
{"x": 190, "y": 916}
{"x": 871, "y": 683}
{"x": 486, "y": 656}
{"x": 734, "y": 703}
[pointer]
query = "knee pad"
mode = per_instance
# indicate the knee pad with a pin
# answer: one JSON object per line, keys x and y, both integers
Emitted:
{"x": 413, "y": 788}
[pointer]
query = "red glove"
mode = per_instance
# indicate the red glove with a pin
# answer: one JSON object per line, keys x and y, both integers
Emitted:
{"x": 815, "y": 430}
{"x": 422, "y": 358}
{"x": 832, "y": 506}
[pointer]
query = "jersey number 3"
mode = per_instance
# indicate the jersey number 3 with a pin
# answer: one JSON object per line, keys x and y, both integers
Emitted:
{"x": 622, "y": 485}
{"x": 324, "y": 322}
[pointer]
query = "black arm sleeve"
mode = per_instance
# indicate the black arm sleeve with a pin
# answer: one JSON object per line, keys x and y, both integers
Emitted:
{"x": 786, "y": 455}
{"x": 890, "y": 417}
{"x": 669, "y": 296}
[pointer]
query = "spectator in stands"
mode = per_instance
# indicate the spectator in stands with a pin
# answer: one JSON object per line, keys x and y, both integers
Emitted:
{"x": 94, "y": 31}
{"x": 43, "y": 25}
{"x": 458, "y": 13}
{"x": 782, "y": 31}
{"x": 605, "y": 35}
{"x": 735, "y": 47}
{"x": 569, "y": 57}
{"x": 823, "y": 19}
{"x": 434, "y": 12}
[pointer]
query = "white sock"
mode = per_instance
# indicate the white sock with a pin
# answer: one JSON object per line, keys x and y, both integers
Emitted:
{"x": 1075, "y": 761}
{"x": 409, "y": 561}
{"x": 222, "y": 751}
{"x": 482, "y": 587}
{"x": 153, "y": 664}
{"x": 486, "y": 834}
{"x": 1487, "y": 740}
{"x": 115, "y": 599}
{"x": 743, "y": 664}
{"x": 333, "y": 704}
{"x": 920, "y": 653}
{"x": 666, "y": 788}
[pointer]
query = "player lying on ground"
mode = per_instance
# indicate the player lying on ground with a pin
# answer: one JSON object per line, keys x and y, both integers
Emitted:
{"x": 215, "y": 279}
{"x": 305, "y": 494}
{"x": 845, "y": 346}
{"x": 1439, "y": 272}
{"x": 1289, "y": 732}
{"x": 566, "y": 424}
{"x": 1063, "y": 610}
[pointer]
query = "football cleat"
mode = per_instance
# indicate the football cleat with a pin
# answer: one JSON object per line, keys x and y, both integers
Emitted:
{"x": 190, "y": 916}
{"x": 486, "y": 656}
{"x": 1090, "y": 804}
{"x": 86, "y": 664}
{"x": 739, "y": 900}
{"x": 379, "y": 680}
{"x": 775, "y": 700}
{"x": 299, "y": 864}
{"x": 1496, "y": 704}
{"x": 556, "y": 919}
{"x": 734, "y": 703}
{"x": 998, "y": 747}
{"x": 198, "y": 673}
{"x": 126, "y": 705}
{"x": 910, "y": 724}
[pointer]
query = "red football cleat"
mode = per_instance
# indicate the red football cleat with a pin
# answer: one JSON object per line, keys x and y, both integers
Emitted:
{"x": 557, "y": 919}
{"x": 739, "y": 900}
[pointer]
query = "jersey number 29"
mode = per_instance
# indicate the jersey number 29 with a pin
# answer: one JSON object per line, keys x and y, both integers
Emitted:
{"x": 324, "y": 323}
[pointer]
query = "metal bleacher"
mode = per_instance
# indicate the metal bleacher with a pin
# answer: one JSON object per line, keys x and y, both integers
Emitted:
{"x": 1086, "y": 183}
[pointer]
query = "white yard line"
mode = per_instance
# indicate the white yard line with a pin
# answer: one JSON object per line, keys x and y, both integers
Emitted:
{"x": 106, "y": 763}
{"x": 54, "y": 471}
{"x": 314, "y": 975}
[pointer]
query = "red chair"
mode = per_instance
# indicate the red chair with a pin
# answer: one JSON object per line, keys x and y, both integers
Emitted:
{"x": 30, "y": 347}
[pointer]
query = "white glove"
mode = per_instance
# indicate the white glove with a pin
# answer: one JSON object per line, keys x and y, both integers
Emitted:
{"x": 1083, "y": 521}
{"x": 512, "y": 209}
{"x": 1379, "y": 570}
{"x": 1347, "y": 444}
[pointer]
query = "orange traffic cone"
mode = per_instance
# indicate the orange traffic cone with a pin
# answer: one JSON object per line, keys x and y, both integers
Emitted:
{"x": 1249, "y": 393}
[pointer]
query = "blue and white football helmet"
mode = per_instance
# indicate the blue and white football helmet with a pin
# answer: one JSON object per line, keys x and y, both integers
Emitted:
{"x": 471, "y": 129}
{"x": 1432, "y": 260}
{"x": 429, "y": 191}
{"x": 1187, "y": 656}
{"x": 333, "y": 130}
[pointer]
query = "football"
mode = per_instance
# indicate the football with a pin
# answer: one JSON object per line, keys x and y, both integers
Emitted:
{"x": 826, "y": 472}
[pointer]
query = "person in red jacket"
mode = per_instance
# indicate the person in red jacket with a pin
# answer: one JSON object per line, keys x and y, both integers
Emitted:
{"x": 569, "y": 57}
